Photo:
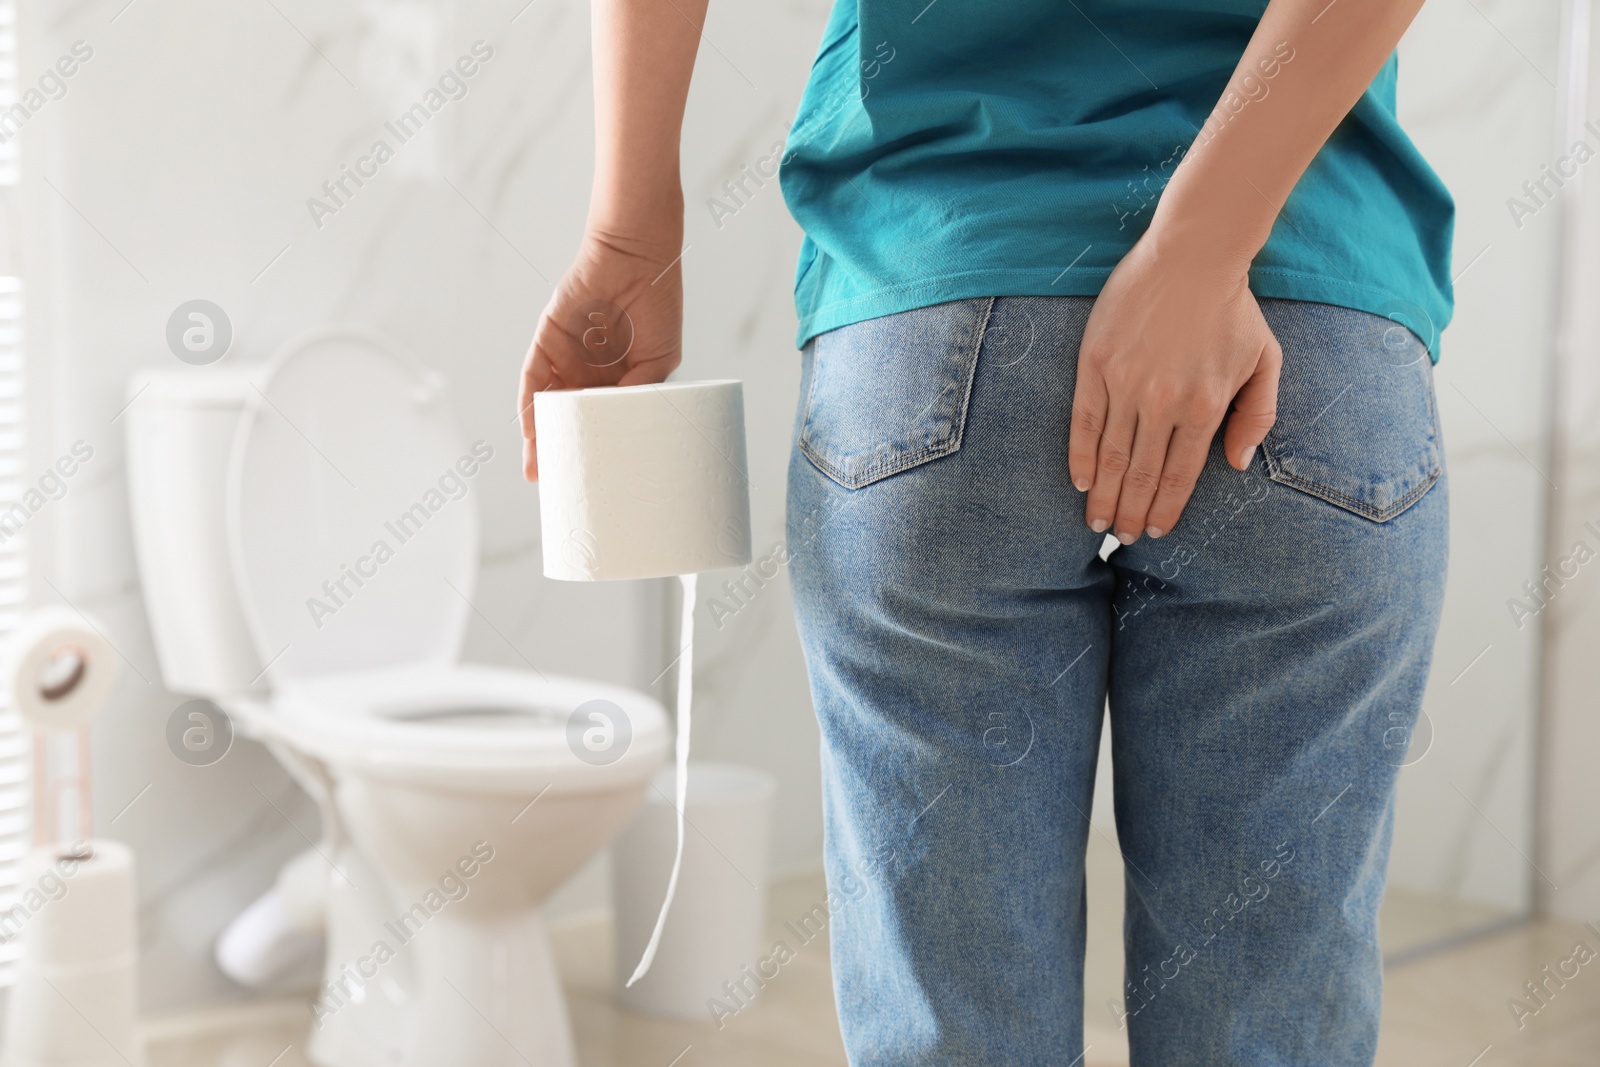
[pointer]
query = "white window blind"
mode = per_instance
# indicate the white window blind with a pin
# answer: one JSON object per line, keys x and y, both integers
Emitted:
{"x": 8, "y": 86}
{"x": 14, "y": 746}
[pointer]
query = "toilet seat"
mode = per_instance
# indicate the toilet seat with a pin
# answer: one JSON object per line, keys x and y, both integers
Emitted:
{"x": 507, "y": 729}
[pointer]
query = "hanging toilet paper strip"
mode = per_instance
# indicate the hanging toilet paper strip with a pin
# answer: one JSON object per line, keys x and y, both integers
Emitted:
{"x": 681, "y": 778}
{"x": 646, "y": 481}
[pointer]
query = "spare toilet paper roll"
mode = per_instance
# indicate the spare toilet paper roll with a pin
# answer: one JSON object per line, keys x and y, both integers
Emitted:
{"x": 76, "y": 995}
{"x": 644, "y": 481}
{"x": 80, "y": 904}
{"x": 59, "y": 669}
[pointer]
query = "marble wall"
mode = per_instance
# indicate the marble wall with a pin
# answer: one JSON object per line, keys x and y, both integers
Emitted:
{"x": 1478, "y": 95}
{"x": 179, "y": 165}
{"x": 1568, "y": 847}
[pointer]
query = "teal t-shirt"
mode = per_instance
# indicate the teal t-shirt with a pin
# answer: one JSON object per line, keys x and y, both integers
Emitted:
{"x": 1017, "y": 148}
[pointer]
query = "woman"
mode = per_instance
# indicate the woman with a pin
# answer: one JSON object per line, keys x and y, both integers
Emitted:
{"x": 1170, "y": 271}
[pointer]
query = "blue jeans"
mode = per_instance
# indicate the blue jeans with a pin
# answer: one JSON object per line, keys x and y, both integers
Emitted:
{"x": 1264, "y": 663}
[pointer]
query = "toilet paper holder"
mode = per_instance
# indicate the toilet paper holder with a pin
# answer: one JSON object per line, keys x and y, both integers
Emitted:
{"x": 75, "y": 997}
{"x": 59, "y": 670}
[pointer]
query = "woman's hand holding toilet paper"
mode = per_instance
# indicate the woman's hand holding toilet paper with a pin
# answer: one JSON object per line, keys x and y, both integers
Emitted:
{"x": 616, "y": 318}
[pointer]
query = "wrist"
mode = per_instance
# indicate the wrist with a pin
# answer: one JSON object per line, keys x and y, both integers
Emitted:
{"x": 642, "y": 217}
{"x": 1196, "y": 222}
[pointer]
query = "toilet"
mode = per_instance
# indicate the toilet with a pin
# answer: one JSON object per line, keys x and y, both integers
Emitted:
{"x": 307, "y": 537}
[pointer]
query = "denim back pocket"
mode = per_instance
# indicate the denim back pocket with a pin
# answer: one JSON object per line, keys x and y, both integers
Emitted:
{"x": 891, "y": 393}
{"x": 1357, "y": 421}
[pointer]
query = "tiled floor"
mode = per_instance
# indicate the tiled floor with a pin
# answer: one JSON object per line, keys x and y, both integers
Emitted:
{"x": 1440, "y": 1011}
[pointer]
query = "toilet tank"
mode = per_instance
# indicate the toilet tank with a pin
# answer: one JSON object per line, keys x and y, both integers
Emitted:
{"x": 180, "y": 427}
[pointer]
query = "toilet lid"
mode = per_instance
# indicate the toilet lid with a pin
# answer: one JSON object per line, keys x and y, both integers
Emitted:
{"x": 352, "y": 525}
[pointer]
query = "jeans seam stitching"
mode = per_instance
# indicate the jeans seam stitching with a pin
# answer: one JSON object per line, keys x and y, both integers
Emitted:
{"x": 1333, "y": 496}
{"x": 811, "y": 393}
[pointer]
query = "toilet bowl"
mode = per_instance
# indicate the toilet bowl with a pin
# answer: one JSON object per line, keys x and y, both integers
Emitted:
{"x": 306, "y": 532}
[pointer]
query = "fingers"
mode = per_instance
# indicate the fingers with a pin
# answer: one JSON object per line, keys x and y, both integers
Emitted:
{"x": 1141, "y": 447}
{"x": 541, "y": 371}
{"x": 1140, "y": 481}
{"x": 537, "y": 375}
{"x": 1111, "y": 465}
{"x": 1186, "y": 458}
{"x": 1255, "y": 408}
{"x": 1088, "y": 422}
{"x": 650, "y": 372}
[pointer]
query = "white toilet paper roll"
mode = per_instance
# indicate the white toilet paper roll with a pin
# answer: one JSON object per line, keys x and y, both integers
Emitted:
{"x": 74, "y": 1017}
{"x": 76, "y": 995}
{"x": 77, "y": 903}
{"x": 646, "y": 481}
{"x": 59, "y": 669}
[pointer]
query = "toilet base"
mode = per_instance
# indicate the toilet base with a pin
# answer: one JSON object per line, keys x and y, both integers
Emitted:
{"x": 464, "y": 989}
{"x": 364, "y": 1013}
{"x": 491, "y": 995}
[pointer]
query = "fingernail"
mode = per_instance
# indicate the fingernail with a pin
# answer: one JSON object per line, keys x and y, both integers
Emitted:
{"x": 1098, "y": 525}
{"x": 1127, "y": 538}
{"x": 1246, "y": 456}
{"x": 1154, "y": 531}
{"x": 1082, "y": 486}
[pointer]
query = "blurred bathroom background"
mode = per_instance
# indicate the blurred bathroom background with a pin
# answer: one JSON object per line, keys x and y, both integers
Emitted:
{"x": 176, "y": 164}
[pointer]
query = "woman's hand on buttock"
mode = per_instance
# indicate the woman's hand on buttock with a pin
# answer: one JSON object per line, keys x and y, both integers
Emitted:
{"x": 1175, "y": 340}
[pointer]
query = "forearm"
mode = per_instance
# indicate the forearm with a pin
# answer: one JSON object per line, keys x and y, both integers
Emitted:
{"x": 1306, "y": 66}
{"x": 644, "y": 54}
